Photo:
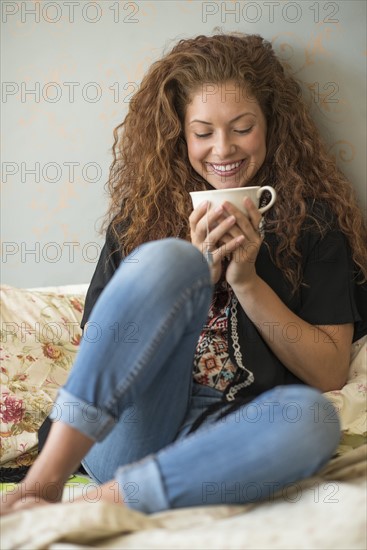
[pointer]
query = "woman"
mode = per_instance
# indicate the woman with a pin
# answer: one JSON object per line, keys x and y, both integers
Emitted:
{"x": 195, "y": 395}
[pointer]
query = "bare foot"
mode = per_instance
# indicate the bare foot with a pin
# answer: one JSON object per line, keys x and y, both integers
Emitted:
{"x": 24, "y": 495}
{"x": 27, "y": 495}
{"x": 44, "y": 482}
{"x": 108, "y": 492}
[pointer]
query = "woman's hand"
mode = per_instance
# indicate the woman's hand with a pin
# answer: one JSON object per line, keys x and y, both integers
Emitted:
{"x": 241, "y": 269}
{"x": 210, "y": 232}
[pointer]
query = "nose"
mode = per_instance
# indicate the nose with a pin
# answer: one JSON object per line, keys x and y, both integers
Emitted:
{"x": 223, "y": 146}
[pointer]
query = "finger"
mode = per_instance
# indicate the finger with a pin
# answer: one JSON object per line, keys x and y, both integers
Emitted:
{"x": 216, "y": 234}
{"x": 204, "y": 212}
{"x": 234, "y": 231}
{"x": 210, "y": 229}
{"x": 227, "y": 248}
{"x": 254, "y": 213}
{"x": 223, "y": 244}
{"x": 198, "y": 213}
{"x": 201, "y": 219}
{"x": 248, "y": 224}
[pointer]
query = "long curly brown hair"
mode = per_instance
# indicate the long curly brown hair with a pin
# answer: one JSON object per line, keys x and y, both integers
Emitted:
{"x": 151, "y": 176}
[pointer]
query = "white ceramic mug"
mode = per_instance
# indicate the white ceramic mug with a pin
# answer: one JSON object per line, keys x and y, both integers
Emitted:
{"x": 235, "y": 195}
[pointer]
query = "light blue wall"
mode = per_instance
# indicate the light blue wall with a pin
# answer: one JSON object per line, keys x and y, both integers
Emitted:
{"x": 83, "y": 59}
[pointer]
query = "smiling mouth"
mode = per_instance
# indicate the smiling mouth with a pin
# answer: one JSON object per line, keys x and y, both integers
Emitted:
{"x": 226, "y": 169}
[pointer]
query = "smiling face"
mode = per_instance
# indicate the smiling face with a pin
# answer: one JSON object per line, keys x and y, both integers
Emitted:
{"x": 225, "y": 132}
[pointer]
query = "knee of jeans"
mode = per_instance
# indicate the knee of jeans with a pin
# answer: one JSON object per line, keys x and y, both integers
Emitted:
{"x": 171, "y": 248}
{"x": 170, "y": 257}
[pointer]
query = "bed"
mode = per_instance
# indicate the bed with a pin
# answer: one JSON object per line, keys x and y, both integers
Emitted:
{"x": 40, "y": 337}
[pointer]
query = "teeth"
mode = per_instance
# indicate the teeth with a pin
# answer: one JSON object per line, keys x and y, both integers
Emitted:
{"x": 226, "y": 167}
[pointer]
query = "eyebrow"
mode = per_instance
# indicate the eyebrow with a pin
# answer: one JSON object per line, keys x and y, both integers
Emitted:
{"x": 233, "y": 119}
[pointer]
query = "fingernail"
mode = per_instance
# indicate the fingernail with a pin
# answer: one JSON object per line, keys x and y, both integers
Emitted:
{"x": 219, "y": 209}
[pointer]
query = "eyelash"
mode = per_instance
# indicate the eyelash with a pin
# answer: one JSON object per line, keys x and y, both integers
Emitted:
{"x": 242, "y": 132}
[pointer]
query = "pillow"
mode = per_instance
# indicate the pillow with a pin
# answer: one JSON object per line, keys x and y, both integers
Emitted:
{"x": 40, "y": 335}
{"x": 351, "y": 400}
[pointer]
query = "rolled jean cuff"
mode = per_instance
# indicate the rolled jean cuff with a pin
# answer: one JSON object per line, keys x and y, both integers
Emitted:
{"x": 141, "y": 486}
{"x": 84, "y": 417}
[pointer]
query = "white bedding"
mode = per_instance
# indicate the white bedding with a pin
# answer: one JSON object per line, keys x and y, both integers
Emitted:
{"x": 325, "y": 512}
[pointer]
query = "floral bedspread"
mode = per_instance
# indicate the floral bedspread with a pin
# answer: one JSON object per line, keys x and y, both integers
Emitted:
{"x": 40, "y": 335}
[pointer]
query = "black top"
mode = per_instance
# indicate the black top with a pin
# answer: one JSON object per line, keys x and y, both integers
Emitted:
{"x": 328, "y": 296}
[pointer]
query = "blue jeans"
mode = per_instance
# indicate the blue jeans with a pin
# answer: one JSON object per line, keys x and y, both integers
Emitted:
{"x": 131, "y": 390}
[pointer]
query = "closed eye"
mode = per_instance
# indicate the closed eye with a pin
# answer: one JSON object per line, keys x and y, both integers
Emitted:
{"x": 247, "y": 131}
{"x": 242, "y": 132}
{"x": 202, "y": 135}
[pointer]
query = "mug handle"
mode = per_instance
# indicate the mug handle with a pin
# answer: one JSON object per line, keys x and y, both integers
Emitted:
{"x": 272, "y": 200}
